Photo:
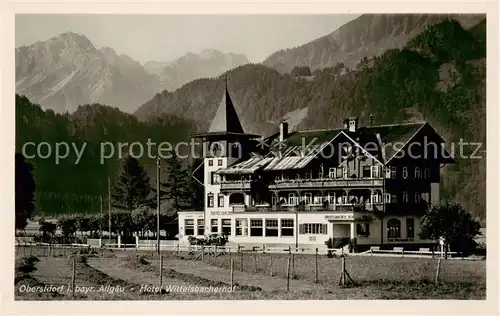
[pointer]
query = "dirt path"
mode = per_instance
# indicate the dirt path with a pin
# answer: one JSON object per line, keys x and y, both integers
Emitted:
{"x": 266, "y": 283}
{"x": 57, "y": 272}
{"x": 131, "y": 275}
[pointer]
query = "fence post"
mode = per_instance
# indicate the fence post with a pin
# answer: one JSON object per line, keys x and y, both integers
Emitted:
{"x": 73, "y": 277}
{"x": 438, "y": 270}
{"x": 271, "y": 264}
{"x": 241, "y": 258}
{"x": 255, "y": 260}
{"x": 316, "y": 269}
{"x": 232, "y": 273}
{"x": 288, "y": 274}
{"x": 342, "y": 276}
{"x": 161, "y": 272}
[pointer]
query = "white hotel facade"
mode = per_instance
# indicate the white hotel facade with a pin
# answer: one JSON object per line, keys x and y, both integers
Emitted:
{"x": 289, "y": 194}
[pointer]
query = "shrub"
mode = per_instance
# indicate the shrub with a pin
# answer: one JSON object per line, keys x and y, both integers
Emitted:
{"x": 336, "y": 243}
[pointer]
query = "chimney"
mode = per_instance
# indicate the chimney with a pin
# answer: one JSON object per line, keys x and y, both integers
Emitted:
{"x": 283, "y": 131}
{"x": 353, "y": 124}
{"x": 346, "y": 123}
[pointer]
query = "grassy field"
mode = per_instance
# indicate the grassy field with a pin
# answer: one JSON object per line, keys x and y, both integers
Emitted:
{"x": 127, "y": 271}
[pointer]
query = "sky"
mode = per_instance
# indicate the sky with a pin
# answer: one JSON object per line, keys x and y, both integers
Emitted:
{"x": 167, "y": 37}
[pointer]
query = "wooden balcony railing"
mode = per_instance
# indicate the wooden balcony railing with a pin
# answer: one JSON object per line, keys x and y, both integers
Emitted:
{"x": 236, "y": 185}
{"x": 327, "y": 183}
{"x": 359, "y": 207}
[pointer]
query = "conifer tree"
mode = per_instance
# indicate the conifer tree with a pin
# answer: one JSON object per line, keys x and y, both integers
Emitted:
{"x": 25, "y": 192}
{"x": 132, "y": 188}
{"x": 176, "y": 185}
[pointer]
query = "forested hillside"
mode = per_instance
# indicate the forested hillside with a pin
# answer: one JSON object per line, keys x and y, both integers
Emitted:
{"x": 439, "y": 76}
{"x": 67, "y": 186}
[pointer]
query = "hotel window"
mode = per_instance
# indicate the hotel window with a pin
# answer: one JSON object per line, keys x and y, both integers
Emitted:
{"x": 320, "y": 173}
{"x": 189, "y": 227}
{"x": 344, "y": 173}
{"x": 375, "y": 172}
{"x": 256, "y": 227}
{"x": 286, "y": 227}
{"x": 405, "y": 197}
{"x": 297, "y": 176}
{"x": 309, "y": 174}
{"x": 241, "y": 227}
{"x": 387, "y": 198}
{"x": 274, "y": 200}
{"x": 417, "y": 173}
{"x": 427, "y": 173}
{"x": 418, "y": 197}
{"x": 201, "y": 227}
{"x": 393, "y": 228}
{"x": 363, "y": 229}
{"x": 220, "y": 200}
{"x": 394, "y": 198}
{"x": 426, "y": 197}
{"x": 214, "y": 223}
{"x": 331, "y": 173}
{"x": 331, "y": 198}
{"x": 291, "y": 199}
{"x": 313, "y": 229}
{"x": 393, "y": 172}
{"x": 387, "y": 173}
{"x": 410, "y": 228}
{"x": 367, "y": 172}
{"x": 338, "y": 172}
{"x": 219, "y": 162}
{"x": 215, "y": 178}
{"x": 210, "y": 200}
{"x": 226, "y": 226}
{"x": 405, "y": 172}
{"x": 308, "y": 198}
{"x": 271, "y": 227}
{"x": 277, "y": 178}
{"x": 210, "y": 162}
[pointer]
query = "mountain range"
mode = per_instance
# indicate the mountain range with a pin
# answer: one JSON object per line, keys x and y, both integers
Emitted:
{"x": 68, "y": 70}
{"x": 367, "y": 36}
{"x": 398, "y": 67}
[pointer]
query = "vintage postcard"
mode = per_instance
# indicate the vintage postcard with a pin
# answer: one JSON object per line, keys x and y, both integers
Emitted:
{"x": 205, "y": 157}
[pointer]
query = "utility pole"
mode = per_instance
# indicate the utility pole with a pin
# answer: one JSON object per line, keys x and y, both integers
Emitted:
{"x": 109, "y": 210}
{"x": 100, "y": 221}
{"x": 158, "y": 204}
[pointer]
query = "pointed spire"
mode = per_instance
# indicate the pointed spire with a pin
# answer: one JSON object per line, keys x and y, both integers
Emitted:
{"x": 226, "y": 119}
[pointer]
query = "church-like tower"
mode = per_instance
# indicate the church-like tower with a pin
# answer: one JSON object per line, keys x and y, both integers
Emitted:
{"x": 224, "y": 143}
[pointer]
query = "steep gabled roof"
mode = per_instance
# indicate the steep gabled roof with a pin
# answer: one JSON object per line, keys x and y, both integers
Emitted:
{"x": 383, "y": 137}
{"x": 226, "y": 119}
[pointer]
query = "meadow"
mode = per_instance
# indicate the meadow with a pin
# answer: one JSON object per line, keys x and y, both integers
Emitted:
{"x": 135, "y": 275}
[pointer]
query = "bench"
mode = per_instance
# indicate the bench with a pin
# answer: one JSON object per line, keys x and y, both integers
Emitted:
{"x": 398, "y": 249}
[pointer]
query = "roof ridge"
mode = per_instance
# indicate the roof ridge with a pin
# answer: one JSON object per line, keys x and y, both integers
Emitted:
{"x": 395, "y": 124}
{"x": 339, "y": 128}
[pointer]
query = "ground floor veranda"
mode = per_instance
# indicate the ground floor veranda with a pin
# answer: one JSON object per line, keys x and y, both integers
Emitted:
{"x": 301, "y": 229}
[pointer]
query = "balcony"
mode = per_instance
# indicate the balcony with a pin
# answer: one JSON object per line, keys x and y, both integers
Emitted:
{"x": 356, "y": 207}
{"x": 236, "y": 185}
{"x": 326, "y": 183}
